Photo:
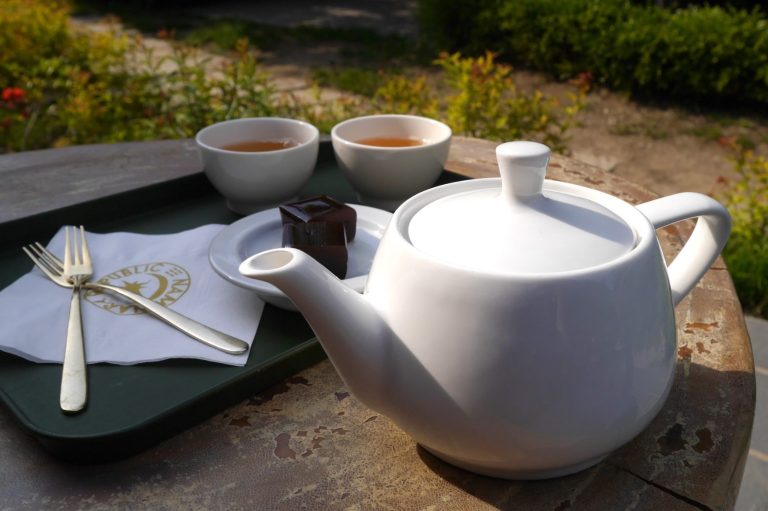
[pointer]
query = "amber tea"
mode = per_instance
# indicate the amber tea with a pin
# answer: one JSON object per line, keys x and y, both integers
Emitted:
{"x": 390, "y": 141}
{"x": 260, "y": 146}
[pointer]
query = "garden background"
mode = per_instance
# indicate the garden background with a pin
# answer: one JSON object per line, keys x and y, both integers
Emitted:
{"x": 667, "y": 94}
{"x": 672, "y": 95}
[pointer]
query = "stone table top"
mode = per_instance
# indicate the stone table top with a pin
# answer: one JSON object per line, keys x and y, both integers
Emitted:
{"x": 307, "y": 443}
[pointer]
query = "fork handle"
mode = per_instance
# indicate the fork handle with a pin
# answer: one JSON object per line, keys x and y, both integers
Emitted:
{"x": 192, "y": 328}
{"x": 74, "y": 389}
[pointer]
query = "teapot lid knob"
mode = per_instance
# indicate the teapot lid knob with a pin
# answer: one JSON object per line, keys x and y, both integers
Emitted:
{"x": 523, "y": 166}
{"x": 523, "y": 225}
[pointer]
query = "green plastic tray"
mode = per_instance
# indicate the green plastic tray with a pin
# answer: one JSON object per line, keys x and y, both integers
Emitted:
{"x": 133, "y": 407}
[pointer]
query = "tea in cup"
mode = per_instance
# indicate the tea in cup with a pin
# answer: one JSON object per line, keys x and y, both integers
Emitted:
{"x": 260, "y": 162}
{"x": 389, "y": 158}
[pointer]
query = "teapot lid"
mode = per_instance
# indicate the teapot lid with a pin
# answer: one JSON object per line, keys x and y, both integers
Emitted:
{"x": 520, "y": 226}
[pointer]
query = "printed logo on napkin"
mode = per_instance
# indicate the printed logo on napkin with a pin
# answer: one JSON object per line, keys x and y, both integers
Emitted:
{"x": 163, "y": 283}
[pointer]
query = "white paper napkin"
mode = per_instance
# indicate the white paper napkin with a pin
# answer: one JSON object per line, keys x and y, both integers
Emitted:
{"x": 172, "y": 269}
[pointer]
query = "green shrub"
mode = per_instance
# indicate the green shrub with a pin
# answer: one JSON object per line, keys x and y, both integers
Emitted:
{"x": 356, "y": 80}
{"x": 746, "y": 253}
{"x": 478, "y": 97}
{"x": 410, "y": 95}
{"x": 197, "y": 94}
{"x": 223, "y": 33}
{"x": 29, "y": 33}
{"x": 697, "y": 52}
{"x": 67, "y": 87}
{"x": 49, "y": 66}
{"x": 702, "y": 51}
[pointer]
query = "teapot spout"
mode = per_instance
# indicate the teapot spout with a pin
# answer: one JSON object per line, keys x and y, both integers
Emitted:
{"x": 350, "y": 330}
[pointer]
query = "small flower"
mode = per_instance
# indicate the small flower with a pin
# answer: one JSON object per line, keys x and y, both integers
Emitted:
{"x": 13, "y": 94}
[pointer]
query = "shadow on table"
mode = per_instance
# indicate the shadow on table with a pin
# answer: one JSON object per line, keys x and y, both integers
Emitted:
{"x": 688, "y": 457}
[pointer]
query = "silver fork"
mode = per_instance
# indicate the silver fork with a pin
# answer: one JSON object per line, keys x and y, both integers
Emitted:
{"x": 77, "y": 269}
{"x": 53, "y": 268}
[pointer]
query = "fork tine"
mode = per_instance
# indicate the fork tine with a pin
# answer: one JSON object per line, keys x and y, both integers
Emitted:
{"x": 48, "y": 255}
{"x": 42, "y": 256}
{"x": 73, "y": 245}
{"x": 67, "y": 249}
{"x": 51, "y": 265}
{"x": 85, "y": 253}
{"x": 76, "y": 247}
{"x": 41, "y": 264}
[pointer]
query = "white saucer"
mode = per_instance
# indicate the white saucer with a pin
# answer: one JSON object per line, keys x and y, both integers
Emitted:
{"x": 263, "y": 231}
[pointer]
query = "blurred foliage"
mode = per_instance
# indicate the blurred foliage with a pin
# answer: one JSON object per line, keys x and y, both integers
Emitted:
{"x": 475, "y": 96}
{"x": 486, "y": 103}
{"x": 705, "y": 53}
{"x": 76, "y": 87}
{"x": 746, "y": 253}
{"x": 682, "y": 4}
{"x": 63, "y": 86}
{"x": 357, "y": 80}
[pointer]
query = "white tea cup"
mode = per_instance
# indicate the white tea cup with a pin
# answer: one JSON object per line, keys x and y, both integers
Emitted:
{"x": 389, "y": 158}
{"x": 259, "y": 162}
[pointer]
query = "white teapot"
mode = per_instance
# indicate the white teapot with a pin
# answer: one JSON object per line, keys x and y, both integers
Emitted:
{"x": 518, "y": 327}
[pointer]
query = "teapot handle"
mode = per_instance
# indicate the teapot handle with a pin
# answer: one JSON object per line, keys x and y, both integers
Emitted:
{"x": 706, "y": 241}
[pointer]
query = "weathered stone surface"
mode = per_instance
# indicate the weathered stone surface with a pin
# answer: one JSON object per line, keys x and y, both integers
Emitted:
{"x": 39, "y": 181}
{"x": 308, "y": 444}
